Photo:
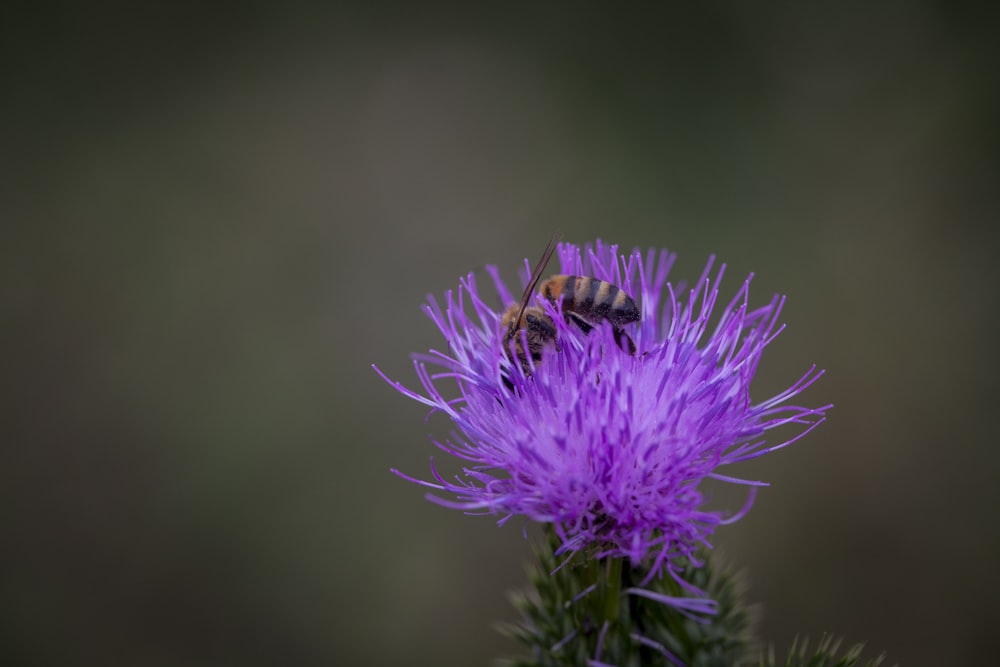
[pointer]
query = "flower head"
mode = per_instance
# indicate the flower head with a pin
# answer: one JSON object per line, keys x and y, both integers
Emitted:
{"x": 607, "y": 444}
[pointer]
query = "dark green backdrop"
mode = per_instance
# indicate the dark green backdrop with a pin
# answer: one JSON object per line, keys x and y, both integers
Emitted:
{"x": 216, "y": 219}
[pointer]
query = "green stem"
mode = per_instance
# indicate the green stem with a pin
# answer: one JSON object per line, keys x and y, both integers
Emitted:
{"x": 612, "y": 588}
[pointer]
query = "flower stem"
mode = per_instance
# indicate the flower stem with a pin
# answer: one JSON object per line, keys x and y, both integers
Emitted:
{"x": 612, "y": 585}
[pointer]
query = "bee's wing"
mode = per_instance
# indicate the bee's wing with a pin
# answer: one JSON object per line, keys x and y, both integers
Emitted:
{"x": 536, "y": 275}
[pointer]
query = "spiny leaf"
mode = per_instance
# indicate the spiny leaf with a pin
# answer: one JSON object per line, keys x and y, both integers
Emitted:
{"x": 824, "y": 656}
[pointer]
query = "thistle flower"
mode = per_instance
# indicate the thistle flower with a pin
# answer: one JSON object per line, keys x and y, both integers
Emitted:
{"x": 609, "y": 448}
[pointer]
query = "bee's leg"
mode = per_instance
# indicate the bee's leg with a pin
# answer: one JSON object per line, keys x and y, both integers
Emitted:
{"x": 624, "y": 341}
{"x": 508, "y": 382}
{"x": 585, "y": 326}
{"x": 526, "y": 366}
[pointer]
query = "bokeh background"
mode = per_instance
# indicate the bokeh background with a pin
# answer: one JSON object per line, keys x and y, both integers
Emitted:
{"x": 216, "y": 219}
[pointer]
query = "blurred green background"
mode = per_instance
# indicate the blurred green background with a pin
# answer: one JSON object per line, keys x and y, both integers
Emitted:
{"x": 216, "y": 219}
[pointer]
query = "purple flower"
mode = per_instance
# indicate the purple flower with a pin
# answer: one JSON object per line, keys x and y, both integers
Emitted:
{"x": 608, "y": 447}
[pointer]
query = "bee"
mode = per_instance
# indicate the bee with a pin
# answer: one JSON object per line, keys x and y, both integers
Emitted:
{"x": 586, "y": 302}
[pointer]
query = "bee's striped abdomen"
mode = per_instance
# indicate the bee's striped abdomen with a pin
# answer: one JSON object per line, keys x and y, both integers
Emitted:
{"x": 592, "y": 299}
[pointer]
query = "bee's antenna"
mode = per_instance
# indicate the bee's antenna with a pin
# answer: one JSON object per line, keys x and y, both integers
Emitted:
{"x": 536, "y": 275}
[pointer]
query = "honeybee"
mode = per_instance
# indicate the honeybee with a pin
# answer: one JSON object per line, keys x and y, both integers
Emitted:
{"x": 586, "y": 302}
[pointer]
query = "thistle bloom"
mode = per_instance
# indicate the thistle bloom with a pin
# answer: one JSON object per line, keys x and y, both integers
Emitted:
{"x": 609, "y": 448}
